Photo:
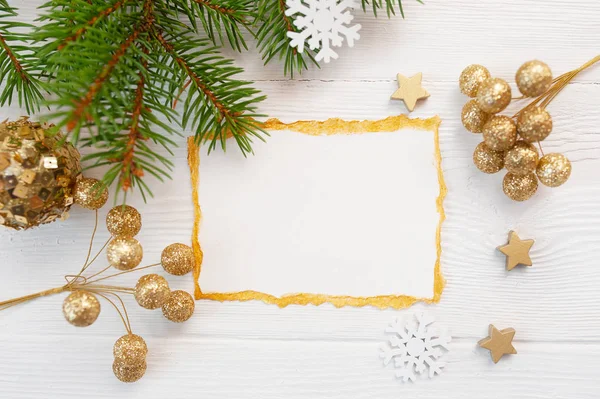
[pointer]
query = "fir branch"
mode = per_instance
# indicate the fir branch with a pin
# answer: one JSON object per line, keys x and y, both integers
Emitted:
{"x": 17, "y": 60}
{"x": 272, "y": 27}
{"x": 217, "y": 107}
{"x": 222, "y": 18}
{"x": 390, "y": 6}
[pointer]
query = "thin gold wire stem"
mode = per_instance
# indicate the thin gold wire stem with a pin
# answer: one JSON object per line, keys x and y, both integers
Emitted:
{"x": 99, "y": 252}
{"x": 125, "y": 272}
{"x": 85, "y": 264}
{"x": 100, "y": 272}
{"x": 116, "y": 308}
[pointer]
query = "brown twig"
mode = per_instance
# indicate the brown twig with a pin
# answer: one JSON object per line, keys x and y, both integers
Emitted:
{"x": 223, "y": 111}
{"x": 13, "y": 59}
{"x": 216, "y": 7}
{"x": 104, "y": 13}
{"x": 87, "y": 99}
{"x": 288, "y": 21}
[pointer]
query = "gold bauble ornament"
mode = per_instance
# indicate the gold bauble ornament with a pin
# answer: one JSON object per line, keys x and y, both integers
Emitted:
{"x": 130, "y": 349}
{"x": 178, "y": 259}
{"x": 90, "y": 193}
{"x": 493, "y": 95}
{"x": 534, "y": 78}
{"x": 553, "y": 170}
{"x": 179, "y": 307}
{"x": 488, "y": 160}
{"x": 129, "y": 372}
{"x": 521, "y": 159}
{"x": 123, "y": 220}
{"x": 37, "y": 174}
{"x": 471, "y": 78}
{"x": 473, "y": 118}
{"x": 124, "y": 253}
{"x": 534, "y": 124}
{"x": 81, "y": 308}
{"x": 152, "y": 291}
{"x": 519, "y": 188}
{"x": 500, "y": 133}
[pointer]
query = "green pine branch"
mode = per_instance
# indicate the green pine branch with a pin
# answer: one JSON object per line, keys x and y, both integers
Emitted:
{"x": 17, "y": 60}
{"x": 126, "y": 75}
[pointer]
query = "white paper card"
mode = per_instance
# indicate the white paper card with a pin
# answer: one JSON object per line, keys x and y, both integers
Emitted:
{"x": 341, "y": 215}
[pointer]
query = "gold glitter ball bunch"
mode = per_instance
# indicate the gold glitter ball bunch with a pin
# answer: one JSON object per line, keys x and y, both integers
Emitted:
{"x": 130, "y": 358}
{"x": 38, "y": 173}
{"x": 508, "y": 141}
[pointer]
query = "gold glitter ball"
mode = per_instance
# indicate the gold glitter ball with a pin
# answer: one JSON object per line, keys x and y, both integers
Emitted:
{"x": 473, "y": 118}
{"x": 124, "y": 253}
{"x": 130, "y": 348}
{"x": 129, "y": 372}
{"x": 37, "y": 174}
{"x": 521, "y": 159}
{"x": 471, "y": 78}
{"x": 90, "y": 193}
{"x": 500, "y": 133}
{"x": 81, "y": 308}
{"x": 487, "y": 160}
{"x": 519, "y": 188}
{"x": 534, "y": 124}
{"x": 553, "y": 170}
{"x": 152, "y": 291}
{"x": 534, "y": 78}
{"x": 178, "y": 259}
{"x": 179, "y": 307}
{"x": 124, "y": 220}
{"x": 494, "y": 95}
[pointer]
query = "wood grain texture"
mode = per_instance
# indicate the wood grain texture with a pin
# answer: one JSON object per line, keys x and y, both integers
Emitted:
{"x": 251, "y": 350}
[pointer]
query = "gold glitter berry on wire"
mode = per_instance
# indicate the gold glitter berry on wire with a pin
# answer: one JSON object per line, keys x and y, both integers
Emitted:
{"x": 82, "y": 307}
{"x": 507, "y": 140}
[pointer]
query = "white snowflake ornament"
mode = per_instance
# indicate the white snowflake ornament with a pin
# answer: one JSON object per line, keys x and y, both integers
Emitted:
{"x": 322, "y": 24}
{"x": 415, "y": 348}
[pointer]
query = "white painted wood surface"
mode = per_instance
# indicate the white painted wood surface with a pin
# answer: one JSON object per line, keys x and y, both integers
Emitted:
{"x": 251, "y": 350}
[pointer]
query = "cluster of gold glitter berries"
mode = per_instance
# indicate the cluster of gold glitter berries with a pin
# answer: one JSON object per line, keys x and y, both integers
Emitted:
{"x": 508, "y": 141}
{"x": 82, "y": 307}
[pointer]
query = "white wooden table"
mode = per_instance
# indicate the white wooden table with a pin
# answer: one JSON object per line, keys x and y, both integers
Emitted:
{"x": 253, "y": 350}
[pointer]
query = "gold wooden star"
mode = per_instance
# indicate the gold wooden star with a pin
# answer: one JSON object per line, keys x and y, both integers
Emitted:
{"x": 410, "y": 90}
{"x": 516, "y": 251}
{"x": 499, "y": 343}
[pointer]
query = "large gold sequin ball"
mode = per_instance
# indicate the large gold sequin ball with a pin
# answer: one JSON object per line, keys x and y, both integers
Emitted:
{"x": 510, "y": 142}
{"x": 81, "y": 308}
{"x": 38, "y": 171}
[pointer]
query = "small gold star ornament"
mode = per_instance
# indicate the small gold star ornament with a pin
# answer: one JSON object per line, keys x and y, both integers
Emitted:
{"x": 410, "y": 90}
{"x": 499, "y": 343}
{"x": 516, "y": 251}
